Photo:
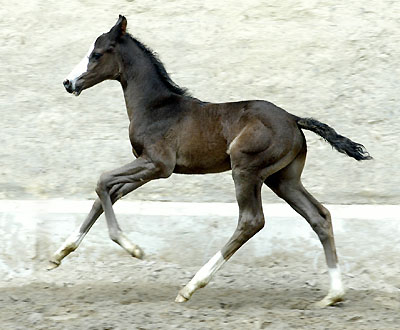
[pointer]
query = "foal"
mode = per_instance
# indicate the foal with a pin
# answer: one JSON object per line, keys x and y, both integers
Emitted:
{"x": 172, "y": 132}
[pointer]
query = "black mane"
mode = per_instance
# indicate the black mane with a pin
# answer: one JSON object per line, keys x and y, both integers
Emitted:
{"x": 162, "y": 72}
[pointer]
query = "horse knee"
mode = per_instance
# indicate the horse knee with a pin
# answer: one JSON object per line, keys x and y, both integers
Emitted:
{"x": 102, "y": 184}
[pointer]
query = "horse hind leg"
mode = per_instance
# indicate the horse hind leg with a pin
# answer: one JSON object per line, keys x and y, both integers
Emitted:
{"x": 251, "y": 220}
{"x": 287, "y": 185}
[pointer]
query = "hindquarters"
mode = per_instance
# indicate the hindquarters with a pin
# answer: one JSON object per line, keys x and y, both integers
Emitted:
{"x": 267, "y": 139}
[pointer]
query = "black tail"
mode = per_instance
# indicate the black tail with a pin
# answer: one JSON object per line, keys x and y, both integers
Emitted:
{"x": 339, "y": 142}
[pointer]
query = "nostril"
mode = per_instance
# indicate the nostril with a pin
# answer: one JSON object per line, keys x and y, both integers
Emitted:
{"x": 66, "y": 83}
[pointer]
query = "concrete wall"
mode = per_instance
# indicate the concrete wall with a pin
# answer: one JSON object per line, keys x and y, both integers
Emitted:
{"x": 188, "y": 234}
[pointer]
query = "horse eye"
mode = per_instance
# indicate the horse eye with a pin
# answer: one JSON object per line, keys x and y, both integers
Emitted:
{"x": 96, "y": 56}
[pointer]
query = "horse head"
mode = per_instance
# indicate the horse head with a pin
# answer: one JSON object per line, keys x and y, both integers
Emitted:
{"x": 100, "y": 63}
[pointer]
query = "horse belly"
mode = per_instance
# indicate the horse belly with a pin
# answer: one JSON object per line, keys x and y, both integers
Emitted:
{"x": 210, "y": 158}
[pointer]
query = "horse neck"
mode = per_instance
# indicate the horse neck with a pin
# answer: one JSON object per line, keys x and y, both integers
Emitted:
{"x": 142, "y": 86}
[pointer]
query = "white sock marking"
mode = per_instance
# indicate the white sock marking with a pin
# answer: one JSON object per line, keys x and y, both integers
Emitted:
{"x": 70, "y": 244}
{"x": 204, "y": 275}
{"x": 336, "y": 279}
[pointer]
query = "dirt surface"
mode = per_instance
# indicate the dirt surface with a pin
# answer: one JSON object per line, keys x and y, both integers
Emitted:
{"x": 271, "y": 283}
{"x": 337, "y": 61}
{"x": 128, "y": 294}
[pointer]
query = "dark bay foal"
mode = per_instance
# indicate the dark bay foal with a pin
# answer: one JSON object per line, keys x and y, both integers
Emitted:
{"x": 172, "y": 132}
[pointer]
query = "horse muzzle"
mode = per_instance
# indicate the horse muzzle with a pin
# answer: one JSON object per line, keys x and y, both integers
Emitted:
{"x": 71, "y": 87}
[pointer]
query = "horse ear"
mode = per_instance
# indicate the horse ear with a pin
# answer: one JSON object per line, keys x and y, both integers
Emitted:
{"x": 119, "y": 29}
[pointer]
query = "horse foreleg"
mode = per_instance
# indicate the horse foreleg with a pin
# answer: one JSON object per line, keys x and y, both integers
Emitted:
{"x": 114, "y": 230}
{"x": 134, "y": 174}
{"x": 73, "y": 241}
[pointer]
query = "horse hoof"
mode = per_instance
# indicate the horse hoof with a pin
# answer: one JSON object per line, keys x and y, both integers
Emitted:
{"x": 329, "y": 300}
{"x": 180, "y": 299}
{"x": 52, "y": 264}
{"x": 138, "y": 253}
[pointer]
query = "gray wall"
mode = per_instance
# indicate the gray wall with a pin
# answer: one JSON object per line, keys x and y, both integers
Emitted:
{"x": 337, "y": 61}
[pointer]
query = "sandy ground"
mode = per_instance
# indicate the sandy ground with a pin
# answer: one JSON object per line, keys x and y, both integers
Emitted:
{"x": 271, "y": 283}
{"x": 129, "y": 294}
{"x": 337, "y": 61}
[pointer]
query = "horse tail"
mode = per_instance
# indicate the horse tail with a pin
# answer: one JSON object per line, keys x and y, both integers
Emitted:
{"x": 339, "y": 142}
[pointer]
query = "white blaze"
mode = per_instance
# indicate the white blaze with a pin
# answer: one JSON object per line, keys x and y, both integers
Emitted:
{"x": 80, "y": 69}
